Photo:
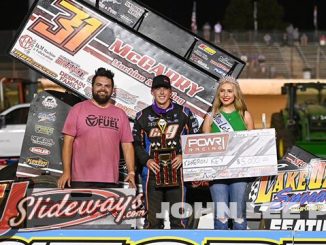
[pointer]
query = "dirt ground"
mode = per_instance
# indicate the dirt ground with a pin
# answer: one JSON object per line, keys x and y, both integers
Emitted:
{"x": 268, "y": 104}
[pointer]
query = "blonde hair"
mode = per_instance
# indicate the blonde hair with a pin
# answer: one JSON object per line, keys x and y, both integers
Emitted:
{"x": 239, "y": 102}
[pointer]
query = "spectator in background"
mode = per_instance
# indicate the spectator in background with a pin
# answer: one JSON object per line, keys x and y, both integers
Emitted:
{"x": 261, "y": 58}
{"x": 207, "y": 31}
{"x": 304, "y": 40}
{"x": 253, "y": 66}
{"x": 289, "y": 32}
{"x": 272, "y": 72}
{"x": 322, "y": 40}
{"x": 218, "y": 32}
{"x": 244, "y": 58}
{"x": 267, "y": 39}
{"x": 262, "y": 64}
{"x": 296, "y": 36}
{"x": 285, "y": 39}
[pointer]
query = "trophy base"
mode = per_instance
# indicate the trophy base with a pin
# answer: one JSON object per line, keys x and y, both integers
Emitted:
{"x": 167, "y": 177}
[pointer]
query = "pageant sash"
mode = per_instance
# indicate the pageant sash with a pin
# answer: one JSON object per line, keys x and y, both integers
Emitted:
{"x": 221, "y": 122}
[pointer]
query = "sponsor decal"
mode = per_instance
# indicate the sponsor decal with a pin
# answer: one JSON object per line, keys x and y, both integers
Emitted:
{"x": 40, "y": 129}
{"x": 133, "y": 9}
{"x": 128, "y": 70}
{"x": 123, "y": 95}
{"x": 219, "y": 65}
{"x": 46, "y": 117}
{"x": 218, "y": 71}
{"x": 152, "y": 118}
{"x": 226, "y": 61}
{"x": 26, "y": 42}
{"x": 140, "y": 105}
{"x": 108, "y": 9}
{"x": 76, "y": 27}
{"x": 37, "y": 162}
{"x": 170, "y": 132}
{"x": 72, "y": 67}
{"x": 126, "y": 19}
{"x": 130, "y": 112}
{"x": 43, "y": 52}
{"x": 201, "y": 54}
{"x": 199, "y": 61}
{"x": 207, "y": 49}
{"x": 102, "y": 122}
{"x": 112, "y": 1}
{"x": 39, "y": 151}
{"x": 21, "y": 56}
{"x": 71, "y": 81}
{"x": 49, "y": 102}
{"x": 295, "y": 160}
{"x": 42, "y": 141}
{"x": 150, "y": 65}
{"x": 206, "y": 143}
{"x": 281, "y": 166}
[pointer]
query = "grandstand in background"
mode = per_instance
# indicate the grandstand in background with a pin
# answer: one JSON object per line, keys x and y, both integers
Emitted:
{"x": 281, "y": 57}
{"x": 276, "y": 59}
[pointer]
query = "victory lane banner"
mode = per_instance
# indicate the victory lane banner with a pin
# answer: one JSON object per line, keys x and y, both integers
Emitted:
{"x": 164, "y": 237}
{"x": 67, "y": 41}
{"x": 227, "y": 155}
{"x": 63, "y": 216}
{"x": 25, "y": 208}
{"x": 295, "y": 198}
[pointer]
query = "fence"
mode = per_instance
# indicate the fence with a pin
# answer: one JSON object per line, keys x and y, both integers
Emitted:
{"x": 266, "y": 56}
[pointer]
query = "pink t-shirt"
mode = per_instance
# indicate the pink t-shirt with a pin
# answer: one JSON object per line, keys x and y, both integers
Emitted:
{"x": 98, "y": 133}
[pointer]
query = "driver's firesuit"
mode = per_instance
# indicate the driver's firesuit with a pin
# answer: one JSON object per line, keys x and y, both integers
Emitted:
{"x": 180, "y": 121}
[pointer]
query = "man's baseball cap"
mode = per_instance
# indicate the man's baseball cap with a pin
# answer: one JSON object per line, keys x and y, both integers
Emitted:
{"x": 161, "y": 81}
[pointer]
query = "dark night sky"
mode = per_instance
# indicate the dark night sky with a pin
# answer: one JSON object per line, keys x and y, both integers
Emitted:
{"x": 298, "y": 12}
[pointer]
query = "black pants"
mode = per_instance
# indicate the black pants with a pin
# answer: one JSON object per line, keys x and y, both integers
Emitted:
{"x": 155, "y": 196}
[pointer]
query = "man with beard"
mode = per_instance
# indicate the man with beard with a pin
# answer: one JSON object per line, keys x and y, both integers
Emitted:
{"x": 93, "y": 131}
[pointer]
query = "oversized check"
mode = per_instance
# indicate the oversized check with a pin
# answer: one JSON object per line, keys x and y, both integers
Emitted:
{"x": 229, "y": 155}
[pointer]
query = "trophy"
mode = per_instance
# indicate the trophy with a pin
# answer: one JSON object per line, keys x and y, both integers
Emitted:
{"x": 163, "y": 155}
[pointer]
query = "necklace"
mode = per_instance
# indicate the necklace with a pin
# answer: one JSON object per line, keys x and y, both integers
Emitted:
{"x": 228, "y": 115}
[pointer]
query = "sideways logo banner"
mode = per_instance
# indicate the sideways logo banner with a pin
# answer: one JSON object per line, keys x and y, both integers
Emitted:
{"x": 293, "y": 200}
{"x": 42, "y": 209}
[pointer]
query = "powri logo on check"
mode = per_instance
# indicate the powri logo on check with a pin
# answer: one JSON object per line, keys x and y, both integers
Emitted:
{"x": 206, "y": 144}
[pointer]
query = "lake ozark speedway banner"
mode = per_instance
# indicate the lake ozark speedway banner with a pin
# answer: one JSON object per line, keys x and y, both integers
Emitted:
{"x": 164, "y": 237}
{"x": 67, "y": 41}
